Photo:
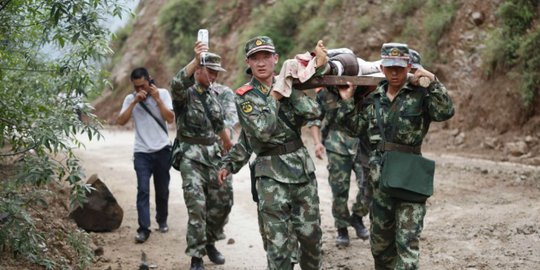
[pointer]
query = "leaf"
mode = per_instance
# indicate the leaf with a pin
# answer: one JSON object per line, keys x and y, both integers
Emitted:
{"x": 75, "y": 37}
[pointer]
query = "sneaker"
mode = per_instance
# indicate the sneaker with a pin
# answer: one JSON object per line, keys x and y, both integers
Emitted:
{"x": 361, "y": 231}
{"x": 141, "y": 237}
{"x": 342, "y": 240}
{"x": 163, "y": 228}
{"x": 196, "y": 264}
{"x": 214, "y": 255}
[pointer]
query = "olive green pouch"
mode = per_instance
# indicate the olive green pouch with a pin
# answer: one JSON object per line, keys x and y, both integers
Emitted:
{"x": 407, "y": 176}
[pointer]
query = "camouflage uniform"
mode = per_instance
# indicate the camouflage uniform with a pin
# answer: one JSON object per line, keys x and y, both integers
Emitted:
{"x": 363, "y": 179}
{"x": 396, "y": 224}
{"x": 286, "y": 183}
{"x": 225, "y": 97}
{"x": 208, "y": 202}
{"x": 341, "y": 152}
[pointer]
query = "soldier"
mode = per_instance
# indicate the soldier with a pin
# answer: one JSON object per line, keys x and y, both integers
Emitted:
{"x": 415, "y": 61}
{"x": 197, "y": 153}
{"x": 286, "y": 183}
{"x": 341, "y": 150}
{"x": 396, "y": 117}
{"x": 225, "y": 97}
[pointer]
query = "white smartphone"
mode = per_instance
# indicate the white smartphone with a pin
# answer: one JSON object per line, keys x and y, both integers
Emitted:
{"x": 202, "y": 36}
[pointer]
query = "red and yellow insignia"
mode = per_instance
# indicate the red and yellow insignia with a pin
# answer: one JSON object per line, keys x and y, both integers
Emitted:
{"x": 244, "y": 89}
{"x": 246, "y": 107}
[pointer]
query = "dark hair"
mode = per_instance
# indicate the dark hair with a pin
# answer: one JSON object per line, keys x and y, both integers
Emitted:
{"x": 140, "y": 73}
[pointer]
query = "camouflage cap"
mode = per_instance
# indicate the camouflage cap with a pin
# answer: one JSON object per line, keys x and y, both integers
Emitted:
{"x": 395, "y": 54}
{"x": 415, "y": 59}
{"x": 211, "y": 61}
{"x": 260, "y": 43}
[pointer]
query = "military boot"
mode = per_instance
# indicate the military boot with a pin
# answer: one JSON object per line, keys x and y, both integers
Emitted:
{"x": 358, "y": 225}
{"x": 342, "y": 240}
{"x": 214, "y": 255}
{"x": 196, "y": 264}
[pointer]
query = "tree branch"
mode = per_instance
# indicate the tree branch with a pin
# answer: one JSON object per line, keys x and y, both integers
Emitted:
{"x": 3, "y": 4}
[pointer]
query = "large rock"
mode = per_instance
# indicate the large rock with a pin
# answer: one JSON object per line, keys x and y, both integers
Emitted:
{"x": 100, "y": 212}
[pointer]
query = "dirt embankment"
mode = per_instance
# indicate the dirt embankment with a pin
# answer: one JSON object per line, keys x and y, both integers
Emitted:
{"x": 490, "y": 118}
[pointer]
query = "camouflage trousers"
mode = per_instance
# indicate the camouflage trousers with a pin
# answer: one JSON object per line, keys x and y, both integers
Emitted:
{"x": 208, "y": 205}
{"x": 395, "y": 232}
{"x": 284, "y": 205}
{"x": 363, "y": 179}
{"x": 293, "y": 241}
{"x": 339, "y": 177}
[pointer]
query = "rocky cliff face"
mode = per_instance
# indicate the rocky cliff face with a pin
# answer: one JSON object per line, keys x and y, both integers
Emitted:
{"x": 489, "y": 111}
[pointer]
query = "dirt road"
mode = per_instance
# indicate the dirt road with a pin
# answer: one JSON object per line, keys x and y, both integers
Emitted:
{"x": 483, "y": 215}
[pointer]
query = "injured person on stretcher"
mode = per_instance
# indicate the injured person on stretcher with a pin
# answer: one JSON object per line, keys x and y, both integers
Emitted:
{"x": 338, "y": 62}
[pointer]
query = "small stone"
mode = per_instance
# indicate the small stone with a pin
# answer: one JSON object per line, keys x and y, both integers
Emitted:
{"x": 517, "y": 148}
{"x": 460, "y": 139}
{"x": 490, "y": 142}
{"x": 477, "y": 18}
{"x": 99, "y": 251}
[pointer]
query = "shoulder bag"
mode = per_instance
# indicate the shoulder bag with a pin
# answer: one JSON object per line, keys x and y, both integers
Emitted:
{"x": 406, "y": 174}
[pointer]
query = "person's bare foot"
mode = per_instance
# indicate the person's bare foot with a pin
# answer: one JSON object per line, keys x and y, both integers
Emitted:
{"x": 321, "y": 57}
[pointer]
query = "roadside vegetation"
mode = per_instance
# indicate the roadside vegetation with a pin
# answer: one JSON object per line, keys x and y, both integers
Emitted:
{"x": 514, "y": 46}
{"x": 49, "y": 53}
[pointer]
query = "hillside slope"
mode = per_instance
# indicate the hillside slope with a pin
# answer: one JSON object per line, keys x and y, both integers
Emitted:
{"x": 452, "y": 36}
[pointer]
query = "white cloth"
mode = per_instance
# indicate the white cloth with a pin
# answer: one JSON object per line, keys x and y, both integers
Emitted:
{"x": 302, "y": 67}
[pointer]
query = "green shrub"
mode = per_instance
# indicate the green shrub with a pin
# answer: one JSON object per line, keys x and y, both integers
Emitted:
{"x": 439, "y": 15}
{"x": 180, "y": 20}
{"x": 310, "y": 33}
{"x": 515, "y": 18}
{"x": 437, "y": 19}
{"x": 38, "y": 124}
{"x": 407, "y": 7}
{"x": 281, "y": 22}
{"x": 530, "y": 53}
{"x": 512, "y": 45}
{"x": 363, "y": 23}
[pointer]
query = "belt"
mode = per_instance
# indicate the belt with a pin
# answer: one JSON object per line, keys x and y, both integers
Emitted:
{"x": 282, "y": 149}
{"x": 389, "y": 146}
{"x": 198, "y": 140}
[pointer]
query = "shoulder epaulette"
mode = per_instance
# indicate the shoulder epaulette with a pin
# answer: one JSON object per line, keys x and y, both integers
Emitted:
{"x": 244, "y": 89}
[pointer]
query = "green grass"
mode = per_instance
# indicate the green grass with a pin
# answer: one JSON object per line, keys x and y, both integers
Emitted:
{"x": 515, "y": 45}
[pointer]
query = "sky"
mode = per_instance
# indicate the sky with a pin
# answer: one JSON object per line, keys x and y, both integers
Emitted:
{"x": 115, "y": 23}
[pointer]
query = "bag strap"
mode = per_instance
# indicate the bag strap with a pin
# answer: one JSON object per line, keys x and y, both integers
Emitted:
{"x": 282, "y": 116}
{"x": 390, "y": 146}
{"x": 205, "y": 106}
{"x": 155, "y": 118}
